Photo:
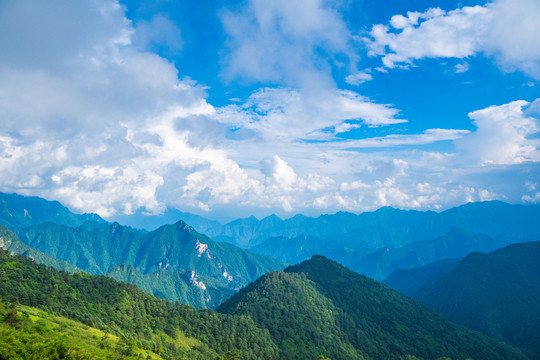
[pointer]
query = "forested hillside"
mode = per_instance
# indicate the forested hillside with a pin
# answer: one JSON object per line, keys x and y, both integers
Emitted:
{"x": 321, "y": 308}
{"x": 140, "y": 320}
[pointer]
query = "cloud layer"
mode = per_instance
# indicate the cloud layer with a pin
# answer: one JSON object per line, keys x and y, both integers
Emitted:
{"x": 93, "y": 117}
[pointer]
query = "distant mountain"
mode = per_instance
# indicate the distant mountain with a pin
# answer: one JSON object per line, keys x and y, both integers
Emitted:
{"x": 496, "y": 293}
{"x": 321, "y": 308}
{"x": 409, "y": 281}
{"x": 140, "y": 220}
{"x": 454, "y": 244}
{"x": 188, "y": 263}
{"x": 381, "y": 262}
{"x": 21, "y": 211}
{"x": 388, "y": 227}
{"x": 290, "y": 250}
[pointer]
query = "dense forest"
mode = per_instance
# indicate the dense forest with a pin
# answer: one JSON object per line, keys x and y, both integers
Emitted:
{"x": 171, "y": 330}
{"x": 321, "y": 307}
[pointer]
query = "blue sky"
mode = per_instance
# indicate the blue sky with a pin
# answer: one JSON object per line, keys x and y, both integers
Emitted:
{"x": 234, "y": 108}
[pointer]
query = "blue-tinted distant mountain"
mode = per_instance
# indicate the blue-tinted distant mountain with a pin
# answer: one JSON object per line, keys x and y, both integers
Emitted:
{"x": 388, "y": 227}
{"x": 496, "y": 293}
{"x": 454, "y": 244}
{"x": 139, "y": 220}
{"x": 216, "y": 269}
{"x": 20, "y": 211}
{"x": 381, "y": 262}
{"x": 290, "y": 250}
{"x": 322, "y": 308}
{"x": 409, "y": 281}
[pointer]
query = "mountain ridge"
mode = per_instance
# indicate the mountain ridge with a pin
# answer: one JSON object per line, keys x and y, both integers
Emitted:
{"x": 368, "y": 320}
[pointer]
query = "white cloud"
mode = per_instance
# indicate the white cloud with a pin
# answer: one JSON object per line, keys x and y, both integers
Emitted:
{"x": 504, "y": 29}
{"x": 429, "y": 136}
{"x": 286, "y": 114}
{"x": 90, "y": 117}
{"x": 533, "y": 199}
{"x": 159, "y": 31}
{"x": 358, "y": 78}
{"x": 281, "y": 41}
{"x": 462, "y": 68}
{"x": 502, "y": 136}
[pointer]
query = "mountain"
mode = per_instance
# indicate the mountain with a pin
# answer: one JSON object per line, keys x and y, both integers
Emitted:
{"x": 409, "y": 281}
{"x": 140, "y": 220}
{"x": 381, "y": 262}
{"x": 454, "y": 244}
{"x": 10, "y": 242}
{"x": 20, "y": 211}
{"x": 388, "y": 227}
{"x": 290, "y": 250}
{"x": 321, "y": 308}
{"x": 188, "y": 263}
{"x": 496, "y": 293}
{"x": 127, "y": 317}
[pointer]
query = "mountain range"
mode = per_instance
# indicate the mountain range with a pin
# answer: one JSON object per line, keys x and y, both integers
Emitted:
{"x": 199, "y": 271}
{"x": 317, "y": 308}
{"x": 191, "y": 267}
{"x": 387, "y": 227}
{"x": 377, "y": 243}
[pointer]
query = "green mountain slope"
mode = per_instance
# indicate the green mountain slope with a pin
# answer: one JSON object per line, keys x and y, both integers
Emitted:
{"x": 176, "y": 286}
{"x": 30, "y": 333}
{"x": 10, "y": 242}
{"x": 321, "y": 308}
{"x": 174, "y": 331}
{"x": 20, "y": 211}
{"x": 188, "y": 263}
{"x": 496, "y": 293}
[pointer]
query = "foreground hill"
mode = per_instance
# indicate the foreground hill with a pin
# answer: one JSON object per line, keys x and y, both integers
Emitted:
{"x": 196, "y": 269}
{"x": 496, "y": 293}
{"x": 321, "y": 308}
{"x": 140, "y": 320}
{"x": 30, "y": 333}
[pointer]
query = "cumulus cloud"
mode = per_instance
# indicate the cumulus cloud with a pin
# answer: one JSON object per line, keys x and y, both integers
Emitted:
{"x": 503, "y": 135}
{"x": 88, "y": 117}
{"x": 504, "y": 29}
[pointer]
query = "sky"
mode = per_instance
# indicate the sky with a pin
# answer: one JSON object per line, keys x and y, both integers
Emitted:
{"x": 234, "y": 108}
